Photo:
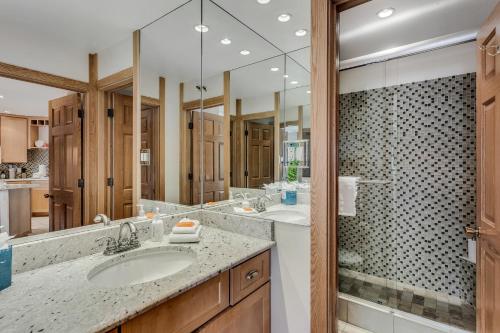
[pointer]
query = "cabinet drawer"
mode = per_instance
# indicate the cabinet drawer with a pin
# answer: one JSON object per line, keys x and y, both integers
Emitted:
{"x": 186, "y": 312}
{"x": 249, "y": 276}
{"x": 251, "y": 315}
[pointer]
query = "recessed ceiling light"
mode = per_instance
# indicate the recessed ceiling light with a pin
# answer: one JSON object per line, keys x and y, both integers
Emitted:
{"x": 263, "y": 2}
{"x": 294, "y": 82}
{"x": 308, "y": 92}
{"x": 6, "y": 111}
{"x": 244, "y": 52}
{"x": 301, "y": 32}
{"x": 285, "y": 76}
{"x": 274, "y": 69}
{"x": 386, "y": 12}
{"x": 225, "y": 41}
{"x": 201, "y": 28}
{"x": 1, "y": 96}
{"x": 284, "y": 17}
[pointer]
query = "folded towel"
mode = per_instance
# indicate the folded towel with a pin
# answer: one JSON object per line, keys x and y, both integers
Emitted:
{"x": 348, "y": 191}
{"x": 186, "y": 226}
{"x": 185, "y": 238}
{"x": 246, "y": 210}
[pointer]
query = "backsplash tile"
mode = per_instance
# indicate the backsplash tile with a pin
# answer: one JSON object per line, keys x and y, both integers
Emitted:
{"x": 420, "y": 137}
{"x": 35, "y": 158}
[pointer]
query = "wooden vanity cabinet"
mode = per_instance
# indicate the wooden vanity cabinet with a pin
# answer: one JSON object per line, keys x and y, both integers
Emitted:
{"x": 39, "y": 203}
{"x": 209, "y": 307}
{"x": 251, "y": 315}
{"x": 13, "y": 139}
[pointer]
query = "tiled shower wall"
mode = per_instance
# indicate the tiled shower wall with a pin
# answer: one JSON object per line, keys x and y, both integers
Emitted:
{"x": 419, "y": 140}
{"x": 35, "y": 158}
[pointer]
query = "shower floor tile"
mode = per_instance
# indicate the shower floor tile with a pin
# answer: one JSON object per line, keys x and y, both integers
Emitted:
{"x": 462, "y": 316}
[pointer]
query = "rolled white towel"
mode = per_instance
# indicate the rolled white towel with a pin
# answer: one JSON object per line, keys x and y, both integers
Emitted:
{"x": 185, "y": 238}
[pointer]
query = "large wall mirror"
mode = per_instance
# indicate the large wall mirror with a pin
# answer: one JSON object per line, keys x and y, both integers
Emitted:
{"x": 198, "y": 105}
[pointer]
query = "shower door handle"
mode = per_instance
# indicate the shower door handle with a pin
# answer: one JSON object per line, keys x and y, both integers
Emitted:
{"x": 471, "y": 232}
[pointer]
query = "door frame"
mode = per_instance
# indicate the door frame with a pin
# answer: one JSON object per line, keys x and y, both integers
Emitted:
{"x": 324, "y": 151}
{"x": 105, "y": 86}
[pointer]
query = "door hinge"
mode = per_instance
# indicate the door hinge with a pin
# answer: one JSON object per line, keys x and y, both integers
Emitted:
{"x": 190, "y": 176}
{"x": 111, "y": 113}
{"x": 81, "y": 113}
{"x": 246, "y": 173}
{"x": 230, "y": 173}
{"x": 81, "y": 183}
{"x": 246, "y": 132}
{"x": 191, "y": 125}
{"x": 111, "y": 181}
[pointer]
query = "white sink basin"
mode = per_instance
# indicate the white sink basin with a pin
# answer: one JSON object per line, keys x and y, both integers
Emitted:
{"x": 141, "y": 266}
{"x": 297, "y": 214}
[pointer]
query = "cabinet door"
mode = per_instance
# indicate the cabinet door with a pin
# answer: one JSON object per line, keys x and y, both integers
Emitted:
{"x": 13, "y": 139}
{"x": 39, "y": 203}
{"x": 186, "y": 312}
{"x": 251, "y": 315}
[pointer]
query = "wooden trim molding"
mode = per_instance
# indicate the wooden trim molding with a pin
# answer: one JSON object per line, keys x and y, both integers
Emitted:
{"x": 136, "y": 122}
{"x": 91, "y": 145}
{"x": 150, "y": 101}
{"x": 207, "y": 103}
{"x": 277, "y": 143}
{"x": 324, "y": 150}
{"x": 161, "y": 146}
{"x": 227, "y": 133}
{"x": 300, "y": 122}
{"x": 116, "y": 80}
{"x": 184, "y": 188}
{"x": 46, "y": 79}
{"x": 258, "y": 115}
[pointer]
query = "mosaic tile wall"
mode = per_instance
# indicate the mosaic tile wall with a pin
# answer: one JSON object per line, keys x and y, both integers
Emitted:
{"x": 35, "y": 158}
{"x": 420, "y": 138}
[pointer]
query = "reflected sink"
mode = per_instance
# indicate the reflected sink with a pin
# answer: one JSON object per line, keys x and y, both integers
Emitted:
{"x": 141, "y": 266}
{"x": 298, "y": 214}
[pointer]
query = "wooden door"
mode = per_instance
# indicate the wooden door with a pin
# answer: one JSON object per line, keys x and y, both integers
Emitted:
{"x": 122, "y": 156}
{"x": 148, "y": 181}
{"x": 251, "y": 315}
{"x": 260, "y": 154}
{"x": 65, "y": 162}
{"x": 213, "y": 143}
{"x": 13, "y": 139}
{"x": 488, "y": 169}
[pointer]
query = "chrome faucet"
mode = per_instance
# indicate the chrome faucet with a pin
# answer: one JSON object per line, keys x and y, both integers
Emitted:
{"x": 260, "y": 202}
{"x": 127, "y": 240}
{"x": 242, "y": 195}
{"x": 102, "y": 218}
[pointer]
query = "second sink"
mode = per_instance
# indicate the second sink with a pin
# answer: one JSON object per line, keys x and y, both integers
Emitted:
{"x": 141, "y": 266}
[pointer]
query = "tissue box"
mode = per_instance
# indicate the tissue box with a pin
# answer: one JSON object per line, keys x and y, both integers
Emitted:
{"x": 6, "y": 267}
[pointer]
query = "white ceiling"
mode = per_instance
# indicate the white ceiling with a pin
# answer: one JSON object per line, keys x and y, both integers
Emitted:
{"x": 25, "y": 98}
{"x": 362, "y": 32}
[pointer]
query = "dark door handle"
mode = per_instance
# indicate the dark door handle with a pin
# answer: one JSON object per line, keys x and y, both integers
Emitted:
{"x": 46, "y": 196}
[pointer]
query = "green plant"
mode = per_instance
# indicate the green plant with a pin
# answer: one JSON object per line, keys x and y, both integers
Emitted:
{"x": 292, "y": 171}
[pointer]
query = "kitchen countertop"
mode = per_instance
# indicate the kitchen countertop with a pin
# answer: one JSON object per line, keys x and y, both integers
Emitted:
{"x": 17, "y": 186}
{"x": 59, "y": 298}
{"x": 26, "y": 179}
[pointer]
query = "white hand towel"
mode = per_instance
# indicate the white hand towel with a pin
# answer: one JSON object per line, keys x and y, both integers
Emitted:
{"x": 348, "y": 190}
{"x": 185, "y": 238}
{"x": 186, "y": 230}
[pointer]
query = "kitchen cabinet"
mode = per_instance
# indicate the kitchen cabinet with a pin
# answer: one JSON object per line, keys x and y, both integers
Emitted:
{"x": 13, "y": 139}
{"x": 39, "y": 203}
{"x": 209, "y": 308}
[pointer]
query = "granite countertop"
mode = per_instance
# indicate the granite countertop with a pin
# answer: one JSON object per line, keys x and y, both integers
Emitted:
{"x": 17, "y": 186}
{"x": 26, "y": 179}
{"x": 59, "y": 298}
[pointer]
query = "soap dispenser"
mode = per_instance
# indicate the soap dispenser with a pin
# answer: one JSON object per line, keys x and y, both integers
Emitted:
{"x": 157, "y": 226}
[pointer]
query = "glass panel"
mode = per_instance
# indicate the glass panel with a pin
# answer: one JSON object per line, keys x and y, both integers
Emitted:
{"x": 171, "y": 51}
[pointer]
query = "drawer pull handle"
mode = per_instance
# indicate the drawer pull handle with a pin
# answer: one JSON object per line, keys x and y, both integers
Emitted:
{"x": 252, "y": 274}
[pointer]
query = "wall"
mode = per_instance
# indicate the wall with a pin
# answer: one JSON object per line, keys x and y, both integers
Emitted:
{"x": 419, "y": 136}
{"x": 115, "y": 58}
